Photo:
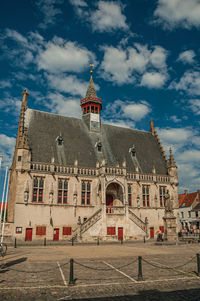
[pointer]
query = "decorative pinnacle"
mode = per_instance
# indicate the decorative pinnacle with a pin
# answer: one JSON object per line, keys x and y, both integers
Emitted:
{"x": 91, "y": 71}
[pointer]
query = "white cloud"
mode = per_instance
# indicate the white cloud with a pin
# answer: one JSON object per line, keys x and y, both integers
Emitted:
{"x": 108, "y": 17}
{"x": 186, "y": 57}
{"x": 175, "y": 119}
{"x": 5, "y": 84}
{"x": 66, "y": 106}
{"x": 118, "y": 122}
{"x": 125, "y": 65}
{"x": 136, "y": 111}
{"x": 7, "y": 145}
{"x": 175, "y": 136}
{"x": 61, "y": 56}
{"x": 69, "y": 84}
{"x": 187, "y": 159}
{"x": 10, "y": 104}
{"x": 153, "y": 80}
{"x": 127, "y": 110}
{"x": 192, "y": 155}
{"x": 189, "y": 82}
{"x": 50, "y": 12}
{"x": 194, "y": 105}
{"x": 174, "y": 13}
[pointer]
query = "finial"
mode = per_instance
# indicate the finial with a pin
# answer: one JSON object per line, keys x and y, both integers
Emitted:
{"x": 92, "y": 66}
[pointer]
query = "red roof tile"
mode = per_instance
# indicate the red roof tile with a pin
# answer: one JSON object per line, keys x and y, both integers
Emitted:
{"x": 187, "y": 200}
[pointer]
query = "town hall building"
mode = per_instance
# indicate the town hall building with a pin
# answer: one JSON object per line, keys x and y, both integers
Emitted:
{"x": 82, "y": 179}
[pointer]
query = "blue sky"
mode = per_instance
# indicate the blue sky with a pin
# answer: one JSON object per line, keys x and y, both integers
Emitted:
{"x": 146, "y": 57}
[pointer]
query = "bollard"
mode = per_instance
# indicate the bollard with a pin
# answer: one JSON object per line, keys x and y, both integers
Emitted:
{"x": 45, "y": 241}
{"x": 121, "y": 240}
{"x": 71, "y": 272}
{"x": 140, "y": 268}
{"x": 72, "y": 241}
{"x": 15, "y": 245}
{"x": 198, "y": 264}
{"x": 144, "y": 240}
{"x": 98, "y": 241}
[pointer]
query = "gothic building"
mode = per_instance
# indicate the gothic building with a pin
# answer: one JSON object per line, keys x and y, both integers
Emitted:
{"x": 84, "y": 179}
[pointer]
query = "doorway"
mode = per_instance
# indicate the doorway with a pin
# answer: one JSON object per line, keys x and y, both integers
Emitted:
{"x": 151, "y": 232}
{"x": 56, "y": 234}
{"x": 109, "y": 203}
{"x": 120, "y": 233}
{"x": 28, "y": 234}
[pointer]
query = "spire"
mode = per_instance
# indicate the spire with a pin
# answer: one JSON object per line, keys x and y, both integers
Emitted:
{"x": 154, "y": 133}
{"x": 91, "y": 103}
{"x": 171, "y": 162}
{"x": 91, "y": 92}
{"x": 22, "y": 138}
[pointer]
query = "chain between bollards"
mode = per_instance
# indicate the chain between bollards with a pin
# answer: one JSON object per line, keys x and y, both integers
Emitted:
{"x": 140, "y": 268}
{"x": 71, "y": 272}
{"x": 198, "y": 264}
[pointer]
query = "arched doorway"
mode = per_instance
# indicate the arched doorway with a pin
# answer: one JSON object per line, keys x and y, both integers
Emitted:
{"x": 114, "y": 197}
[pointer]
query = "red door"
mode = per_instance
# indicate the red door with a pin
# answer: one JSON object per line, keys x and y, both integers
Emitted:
{"x": 56, "y": 234}
{"x": 28, "y": 234}
{"x": 109, "y": 203}
{"x": 161, "y": 229}
{"x": 152, "y": 232}
{"x": 120, "y": 233}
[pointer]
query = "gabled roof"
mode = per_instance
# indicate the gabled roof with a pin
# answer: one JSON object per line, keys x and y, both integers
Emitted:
{"x": 197, "y": 207}
{"x": 79, "y": 143}
{"x": 186, "y": 200}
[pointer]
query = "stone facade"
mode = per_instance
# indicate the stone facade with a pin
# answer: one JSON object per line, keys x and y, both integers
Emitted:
{"x": 114, "y": 205}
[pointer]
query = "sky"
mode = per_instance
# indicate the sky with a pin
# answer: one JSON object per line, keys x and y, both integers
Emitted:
{"x": 146, "y": 57}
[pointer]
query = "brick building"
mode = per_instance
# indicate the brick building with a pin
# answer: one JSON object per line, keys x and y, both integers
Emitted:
{"x": 84, "y": 179}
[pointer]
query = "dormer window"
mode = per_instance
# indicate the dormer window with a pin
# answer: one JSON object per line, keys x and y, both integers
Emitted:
{"x": 99, "y": 146}
{"x": 132, "y": 151}
{"x": 60, "y": 140}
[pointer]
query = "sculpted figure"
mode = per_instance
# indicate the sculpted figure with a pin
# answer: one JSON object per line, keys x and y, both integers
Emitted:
{"x": 168, "y": 202}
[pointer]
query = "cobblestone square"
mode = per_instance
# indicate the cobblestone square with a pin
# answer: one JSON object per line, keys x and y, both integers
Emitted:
{"x": 104, "y": 272}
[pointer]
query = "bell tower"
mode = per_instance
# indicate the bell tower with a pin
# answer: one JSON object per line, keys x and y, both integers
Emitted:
{"x": 91, "y": 106}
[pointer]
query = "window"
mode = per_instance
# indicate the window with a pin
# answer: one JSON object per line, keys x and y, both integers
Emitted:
{"x": 67, "y": 231}
{"x": 41, "y": 230}
{"x": 60, "y": 140}
{"x": 162, "y": 191}
{"x": 189, "y": 213}
{"x": 19, "y": 158}
{"x": 85, "y": 193}
{"x": 145, "y": 195}
{"x": 18, "y": 230}
{"x": 62, "y": 191}
{"x": 182, "y": 214}
{"x": 38, "y": 186}
{"x": 99, "y": 146}
{"x": 129, "y": 195}
{"x": 110, "y": 230}
{"x": 197, "y": 213}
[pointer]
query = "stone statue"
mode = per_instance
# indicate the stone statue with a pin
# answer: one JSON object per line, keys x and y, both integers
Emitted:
{"x": 168, "y": 202}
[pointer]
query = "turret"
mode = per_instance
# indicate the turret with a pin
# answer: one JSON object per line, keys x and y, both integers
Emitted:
{"x": 91, "y": 106}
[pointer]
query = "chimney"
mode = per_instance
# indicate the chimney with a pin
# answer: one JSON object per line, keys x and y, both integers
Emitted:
{"x": 186, "y": 191}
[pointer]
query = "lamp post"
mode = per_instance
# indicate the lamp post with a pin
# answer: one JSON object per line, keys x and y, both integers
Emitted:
{"x": 4, "y": 187}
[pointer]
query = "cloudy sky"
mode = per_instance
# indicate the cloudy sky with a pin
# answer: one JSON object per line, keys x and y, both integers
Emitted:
{"x": 146, "y": 56}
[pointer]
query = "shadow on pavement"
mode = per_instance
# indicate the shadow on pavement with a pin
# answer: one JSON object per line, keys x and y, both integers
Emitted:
{"x": 11, "y": 263}
{"x": 153, "y": 295}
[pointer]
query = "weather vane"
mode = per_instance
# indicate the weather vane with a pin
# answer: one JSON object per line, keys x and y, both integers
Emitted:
{"x": 92, "y": 66}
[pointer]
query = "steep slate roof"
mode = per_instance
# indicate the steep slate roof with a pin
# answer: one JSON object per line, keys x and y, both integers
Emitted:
{"x": 186, "y": 200}
{"x": 79, "y": 143}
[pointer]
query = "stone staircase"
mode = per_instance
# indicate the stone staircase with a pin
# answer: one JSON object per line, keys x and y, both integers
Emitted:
{"x": 87, "y": 224}
{"x": 142, "y": 225}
